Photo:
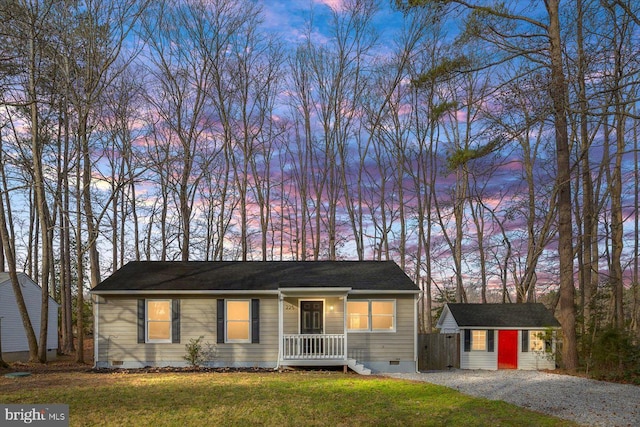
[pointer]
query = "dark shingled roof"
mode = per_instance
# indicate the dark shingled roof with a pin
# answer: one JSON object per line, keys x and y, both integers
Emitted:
{"x": 256, "y": 276}
{"x": 503, "y": 315}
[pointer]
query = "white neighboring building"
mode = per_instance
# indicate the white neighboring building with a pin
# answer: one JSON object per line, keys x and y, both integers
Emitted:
{"x": 502, "y": 336}
{"x": 14, "y": 339}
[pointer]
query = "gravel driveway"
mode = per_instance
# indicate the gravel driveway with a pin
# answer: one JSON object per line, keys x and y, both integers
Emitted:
{"x": 588, "y": 402}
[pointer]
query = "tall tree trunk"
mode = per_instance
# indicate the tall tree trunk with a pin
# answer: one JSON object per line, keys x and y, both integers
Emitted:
{"x": 8, "y": 249}
{"x": 588, "y": 272}
{"x": 41, "y": 203}
{"x": 558, "y": 92}
{"x": 635, "y": 319}
{"x": 79, "y": 262}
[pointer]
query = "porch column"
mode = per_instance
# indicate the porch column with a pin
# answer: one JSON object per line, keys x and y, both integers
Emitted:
{"x": 344, "y": 327}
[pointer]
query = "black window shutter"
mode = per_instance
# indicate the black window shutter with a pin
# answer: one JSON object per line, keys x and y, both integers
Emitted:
{"x": 141, "y": 317}
{"x": 175, "y": 321}
{"x": 525, "y": 340}
{"x": 255, "y": 321}
{"x": 490, "y": 340}
{"x": 467, "y": 340}
{"x": 220, "y": 322}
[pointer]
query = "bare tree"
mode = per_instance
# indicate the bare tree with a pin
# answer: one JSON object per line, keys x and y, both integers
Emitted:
{"x": 178, "y": 36}
{"x": 621, "y": 74}
{"x": 338, "y": 80}
{"x": 9, "y": 256}
{"x": 99, "y": 38}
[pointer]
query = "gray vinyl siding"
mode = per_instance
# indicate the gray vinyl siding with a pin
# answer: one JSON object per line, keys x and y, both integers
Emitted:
{"x": 369, "y": 347}
{"x": 117, "y": 337}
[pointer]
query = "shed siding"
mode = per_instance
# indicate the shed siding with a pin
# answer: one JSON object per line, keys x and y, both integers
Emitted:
{"x": 529, "y": 360}
{"x": 117, "y": 338}
{"x": 449, "y": 325}
{"x": 14, "y": 338}
{"x": 532, "y": 360}
{"x": 478, "y": 359}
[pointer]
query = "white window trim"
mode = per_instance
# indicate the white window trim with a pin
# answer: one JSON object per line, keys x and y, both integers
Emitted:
{"x": 226, "y": 321}
{"x": 535, "y": 335}
{"x": 370, "y": 316}
{"x": 346, "y": 314}
{"x": 146, "y": 322}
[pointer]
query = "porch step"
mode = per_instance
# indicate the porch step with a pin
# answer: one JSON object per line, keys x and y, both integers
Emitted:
{"x": 358, "y": 367}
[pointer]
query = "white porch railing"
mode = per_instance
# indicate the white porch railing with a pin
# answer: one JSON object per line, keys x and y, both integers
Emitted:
{"x": 314, "y": 347}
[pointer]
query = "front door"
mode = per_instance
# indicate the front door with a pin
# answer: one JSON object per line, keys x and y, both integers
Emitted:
{"x": 507, "y": 349}
{"x": 311, "y": 317}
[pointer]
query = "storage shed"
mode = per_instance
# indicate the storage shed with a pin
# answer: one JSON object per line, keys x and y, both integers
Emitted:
{"x": 14, "y": 339}
{"x": 502, "y": 336}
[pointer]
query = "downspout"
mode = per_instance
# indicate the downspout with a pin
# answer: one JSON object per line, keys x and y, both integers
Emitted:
{"x": 96, "y": 329}
{"x": 415, "y": 328}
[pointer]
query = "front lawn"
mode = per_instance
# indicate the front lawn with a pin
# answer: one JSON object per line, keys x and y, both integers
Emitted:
{"x": 267, "y": 399}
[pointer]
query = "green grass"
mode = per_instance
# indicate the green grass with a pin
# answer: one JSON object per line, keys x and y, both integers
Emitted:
{"x": 262, "y": 399}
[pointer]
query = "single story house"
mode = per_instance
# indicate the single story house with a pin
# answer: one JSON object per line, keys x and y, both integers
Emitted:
{"x": 15, "y": 346}
{"x": 360, "y": 314}
{"x": 502, "y": 336}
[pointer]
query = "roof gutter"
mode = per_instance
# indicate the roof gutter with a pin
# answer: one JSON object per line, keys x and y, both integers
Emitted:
{"x": 186, "y": 292}
{"x": 284, "y": 291}
{"x": 314, "y": 291}
{"x": 386, "y": 291}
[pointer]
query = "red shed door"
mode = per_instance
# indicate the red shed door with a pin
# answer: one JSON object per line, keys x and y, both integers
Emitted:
{"x": 507, "y": 349}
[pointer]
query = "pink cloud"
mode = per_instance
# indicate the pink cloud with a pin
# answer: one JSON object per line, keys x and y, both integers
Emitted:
{"x": 335, "y": 5}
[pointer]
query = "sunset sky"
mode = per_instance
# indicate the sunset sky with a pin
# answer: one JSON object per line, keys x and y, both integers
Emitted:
{"x": 357, "y": 117}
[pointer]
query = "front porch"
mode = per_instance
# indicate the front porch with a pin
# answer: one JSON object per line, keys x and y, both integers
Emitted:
{"x": 312, "y": 329}
{"x": 317, "y": 349}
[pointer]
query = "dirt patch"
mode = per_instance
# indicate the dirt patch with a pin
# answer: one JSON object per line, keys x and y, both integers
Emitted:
{"x": 55, "y": 373}
{"x": 63, "y": 363}
{"x": 50, "y": 379}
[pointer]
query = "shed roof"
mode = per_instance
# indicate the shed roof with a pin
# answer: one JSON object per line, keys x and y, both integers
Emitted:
{"x": 154, "y": 276}
{"x": 527, "y": 315}
{"x": 25, "y": 280}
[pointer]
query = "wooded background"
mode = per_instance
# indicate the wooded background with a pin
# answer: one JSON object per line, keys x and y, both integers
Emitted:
{"x": 491, "y": 150}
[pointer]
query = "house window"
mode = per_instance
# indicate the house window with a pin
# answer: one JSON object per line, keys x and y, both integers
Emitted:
{"x": 158, "y": 320}
{"x": 382, "y": 315}
{"x": 478, "y": 340}
{"x": 238, "y": 320}
{"x": 371, "y": 315}
{"x": 358, "y": 315}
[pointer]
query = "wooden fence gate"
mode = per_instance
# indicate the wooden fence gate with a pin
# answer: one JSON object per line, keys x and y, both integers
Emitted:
{"x": 438, "y": 351}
